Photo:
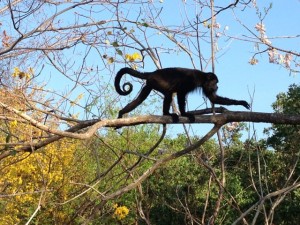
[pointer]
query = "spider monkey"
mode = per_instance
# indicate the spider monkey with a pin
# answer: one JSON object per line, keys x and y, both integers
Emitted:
{"x": 171, "y": 80}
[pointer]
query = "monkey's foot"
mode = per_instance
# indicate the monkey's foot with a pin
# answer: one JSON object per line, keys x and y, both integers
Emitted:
{"x": 175, "y": 117}
{"x": 190, "y": 116}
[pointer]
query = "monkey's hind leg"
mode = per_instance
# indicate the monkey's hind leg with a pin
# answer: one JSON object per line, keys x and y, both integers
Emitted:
{"x": 166, "y": 108}
{"x": 136, "y": 102}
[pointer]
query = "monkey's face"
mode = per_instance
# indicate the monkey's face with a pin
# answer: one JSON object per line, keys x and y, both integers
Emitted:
{"x": 213, "y": 85}
{"x": 210, "y": 87}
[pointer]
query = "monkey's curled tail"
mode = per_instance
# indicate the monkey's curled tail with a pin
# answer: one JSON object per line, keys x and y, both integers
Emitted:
{"x": 126, "y": 85}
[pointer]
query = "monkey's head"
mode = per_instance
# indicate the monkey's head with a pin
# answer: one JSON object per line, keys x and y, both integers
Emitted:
{"x": 210, "y": 84}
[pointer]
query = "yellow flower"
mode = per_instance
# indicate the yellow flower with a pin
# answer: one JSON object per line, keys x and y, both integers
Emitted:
{"x": 136, "y": 55}
{"x": 127, "y": 57}
{"x": 16, "y": 72}
{"x": 133, "y": 57}
{"x": 14, "y": 123}
{"x": 120, "y": 212}
{"x": 21, "y": 74}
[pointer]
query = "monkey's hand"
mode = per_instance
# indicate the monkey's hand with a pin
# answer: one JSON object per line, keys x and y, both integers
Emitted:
{"x": 245, "y": 104}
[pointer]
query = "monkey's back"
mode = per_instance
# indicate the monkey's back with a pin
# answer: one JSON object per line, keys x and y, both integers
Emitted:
{"x": 173, "y": 79}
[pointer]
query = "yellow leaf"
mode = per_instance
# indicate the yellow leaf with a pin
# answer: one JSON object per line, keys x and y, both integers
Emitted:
{"x": 110, "y": 60}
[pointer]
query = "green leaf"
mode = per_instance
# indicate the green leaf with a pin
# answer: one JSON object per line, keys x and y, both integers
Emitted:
{"x": 145, "y": 24}
{"x": 115, "y": 44}
{"x": 119, "y": 52}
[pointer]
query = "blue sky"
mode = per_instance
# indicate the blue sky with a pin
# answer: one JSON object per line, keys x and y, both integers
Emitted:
{"x": 265, "y": 80}
{"x": 239, "y": 79}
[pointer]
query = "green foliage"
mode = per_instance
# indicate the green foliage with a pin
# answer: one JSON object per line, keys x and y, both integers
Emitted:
{"x": 179, "y": 185}
{"x": 182, "y": 191}
{"x": 288, "y": 103}
{"x": 286, "y": 137}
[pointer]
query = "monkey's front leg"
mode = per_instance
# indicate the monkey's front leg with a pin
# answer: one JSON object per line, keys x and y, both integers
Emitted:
{"x": 181, "y": 103}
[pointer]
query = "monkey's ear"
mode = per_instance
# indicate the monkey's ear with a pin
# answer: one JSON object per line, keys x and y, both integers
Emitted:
{"x": 212, "y": 76}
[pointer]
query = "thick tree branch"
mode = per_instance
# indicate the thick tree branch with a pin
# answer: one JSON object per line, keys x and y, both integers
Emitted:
{"x": 223, "y": 118}
{"x": 86, "y": 129}
{"x": 91, "y": 127}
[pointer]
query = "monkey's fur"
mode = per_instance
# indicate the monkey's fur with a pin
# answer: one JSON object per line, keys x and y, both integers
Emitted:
{"x": 173, "y": 80}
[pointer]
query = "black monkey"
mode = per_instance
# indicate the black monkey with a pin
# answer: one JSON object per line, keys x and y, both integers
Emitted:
{"x": 171, "y": 80}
